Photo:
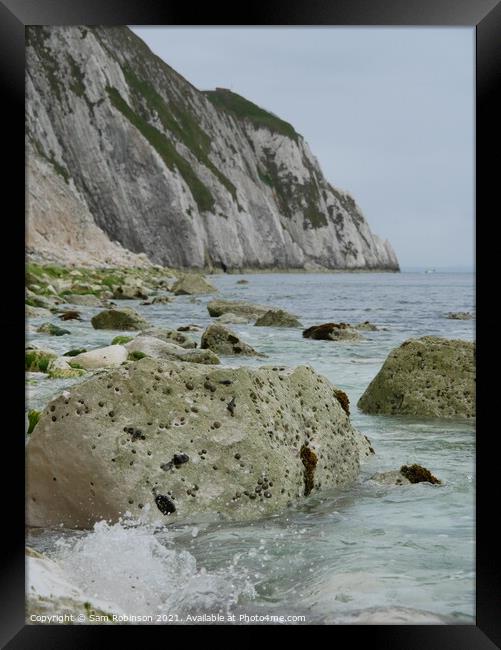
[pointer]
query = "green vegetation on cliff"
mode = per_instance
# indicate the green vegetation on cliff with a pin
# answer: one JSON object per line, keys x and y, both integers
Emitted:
{"x": 166, "y": 150}
{"x": 242, "y": 108}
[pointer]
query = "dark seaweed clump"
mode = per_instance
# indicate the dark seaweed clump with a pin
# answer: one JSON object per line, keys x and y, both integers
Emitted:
{"x": 418, "y": 474}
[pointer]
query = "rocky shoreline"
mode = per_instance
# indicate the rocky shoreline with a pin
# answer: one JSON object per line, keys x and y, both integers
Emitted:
{"x": 156, "y": 425}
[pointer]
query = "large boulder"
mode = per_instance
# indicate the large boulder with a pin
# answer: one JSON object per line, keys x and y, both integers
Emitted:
{"x": 332, "y": 332}
{"x": 192, "y": 284}
{"x": 277, "y": 318}
{"x": 172, "y": 441}
{"x": 429, "y": 376}
{"x": 119, "y": 319}
{"x": 222, "y": 340}
{"x": 158, "y": 349}
{"x": 107, "y": 357}
{"x": 237, "y": 307}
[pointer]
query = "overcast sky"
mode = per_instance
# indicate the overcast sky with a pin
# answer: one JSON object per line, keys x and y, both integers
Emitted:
{"x": 388, "y": 112}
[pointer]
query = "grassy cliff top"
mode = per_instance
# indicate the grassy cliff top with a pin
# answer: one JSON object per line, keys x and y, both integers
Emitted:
{"x": 242, "y": 108}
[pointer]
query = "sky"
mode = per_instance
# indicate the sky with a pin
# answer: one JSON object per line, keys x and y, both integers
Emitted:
{"x": 388, "y": 113}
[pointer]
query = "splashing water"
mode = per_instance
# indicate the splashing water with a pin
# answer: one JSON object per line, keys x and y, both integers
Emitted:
{"x": 132, "y": 565}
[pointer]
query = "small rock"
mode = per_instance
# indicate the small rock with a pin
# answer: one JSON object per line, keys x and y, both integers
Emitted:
{"x": 53, "y": 330}
{"x": 233, "y": 319}
{"x": 119, "y": 319}
{"x": 107, "y": 357}
{"x": 37, "y": 312}
{"x": 277, "y": 318}
{"x": 332, "y": 332}
{"x": 367, "y": 326}
{"x": 159, "y": 349}
{"x": 85, "y": 300}
{"x": 189, "y": 328}
{"x": 170, "y": 336}
{"x": 459, "y": 315}
{"x": 70, "y": 315}
{"x": 406, "y": 475}
{"x": 222, "y": 340}
{"x": 192, "y": 284}
{"x": 238, "y": 307}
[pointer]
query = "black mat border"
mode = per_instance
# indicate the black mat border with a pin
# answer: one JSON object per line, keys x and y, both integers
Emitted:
{"x": 14, "y": 15}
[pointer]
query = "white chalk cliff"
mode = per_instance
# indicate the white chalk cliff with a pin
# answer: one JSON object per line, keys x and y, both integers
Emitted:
{"x": 126, "y": 155}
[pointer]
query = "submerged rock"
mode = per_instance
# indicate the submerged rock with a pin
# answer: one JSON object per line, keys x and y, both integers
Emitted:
{"x": 406, "y": 475}
{"x": 459, "y": 315}
{"x": 244, "y": 462}
{"x": 429, "y": 376}
{"x": 222, "y": 340}
{"x": 192, "y": 284}
{"x": 119, "y": 319}
{"x": 332, "y": 332}
{"x": 237, "y": 307}
{"x": 53, "y": 330}
{"x": 190, "y": 328}
{"x": 159, "y": 300}
{"x": 233, "y": 319}
{"x": 366, "y": 326}
{"x": 170, "y": 336}
{"x": 277, "y": 318}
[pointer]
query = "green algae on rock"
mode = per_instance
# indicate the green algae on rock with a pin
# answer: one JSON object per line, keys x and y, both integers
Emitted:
{"x": 182, "y": 408}
{"x": 277, "y": 318}
{"x": 38, "y": 360}
{"x": 119, "y": 319}
{"x": 429, "y": 376}
{"x": 53, "y": 330}
{"x": 222, "y": 340}
{"x": 33, "y": 417}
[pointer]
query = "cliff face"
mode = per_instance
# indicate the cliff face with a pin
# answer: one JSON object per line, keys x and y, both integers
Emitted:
{"x": 141, "y": 158}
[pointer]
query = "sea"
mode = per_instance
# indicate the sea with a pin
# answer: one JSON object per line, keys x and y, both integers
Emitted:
{"x": 367, "y": 554}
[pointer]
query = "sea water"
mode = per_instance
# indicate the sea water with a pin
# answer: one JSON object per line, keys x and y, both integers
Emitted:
{"x": 366, "y": 554}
